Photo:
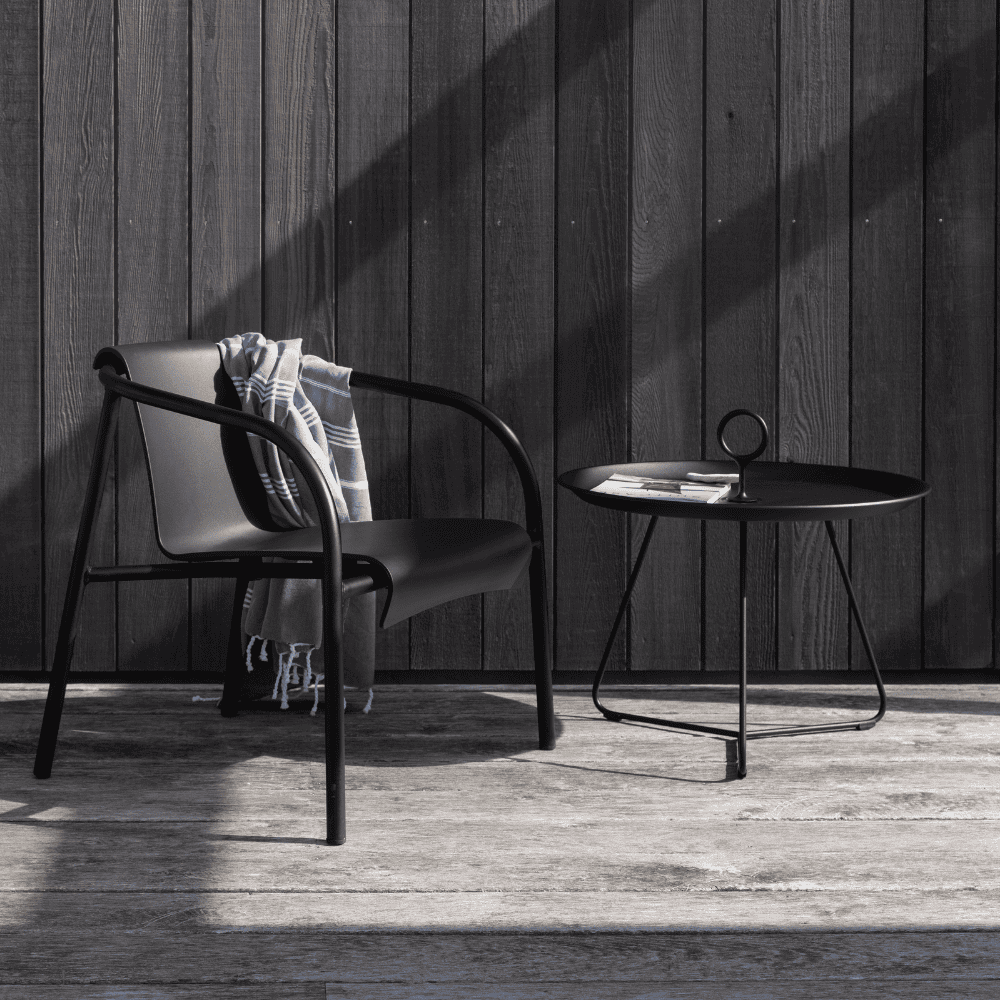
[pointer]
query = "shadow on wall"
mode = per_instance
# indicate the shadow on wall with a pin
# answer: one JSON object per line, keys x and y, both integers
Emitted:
{"x": 740, "y": 274}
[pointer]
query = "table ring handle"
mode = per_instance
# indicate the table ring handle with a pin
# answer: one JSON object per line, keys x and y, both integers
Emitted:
{"x": 745, "y": 459}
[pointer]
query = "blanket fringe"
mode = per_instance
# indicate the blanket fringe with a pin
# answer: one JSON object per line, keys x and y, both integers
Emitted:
{"x": 263, "y": 651}
{"x": 318, "y": 678}
{"x": 285, "y": 677}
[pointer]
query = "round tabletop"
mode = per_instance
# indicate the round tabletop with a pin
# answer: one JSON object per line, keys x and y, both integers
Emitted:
{"x": 784, "y": 491}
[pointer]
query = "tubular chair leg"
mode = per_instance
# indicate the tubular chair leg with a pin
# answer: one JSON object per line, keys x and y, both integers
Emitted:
{"x": 235, "y": 661}
{"x": 336, "y": 752}
{"x": 74, "y": 591}
{"x": 46, "y": 751}
{"x": 543, "y": 659}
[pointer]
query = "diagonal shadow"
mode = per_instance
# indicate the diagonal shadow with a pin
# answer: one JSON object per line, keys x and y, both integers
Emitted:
{"x": 736, "y": 273}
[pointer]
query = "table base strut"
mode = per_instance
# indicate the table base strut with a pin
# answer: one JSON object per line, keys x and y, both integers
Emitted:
{"x": 741, "y": 733}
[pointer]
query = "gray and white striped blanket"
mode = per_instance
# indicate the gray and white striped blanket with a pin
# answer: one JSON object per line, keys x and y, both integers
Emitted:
{"x": 311, "y": 398}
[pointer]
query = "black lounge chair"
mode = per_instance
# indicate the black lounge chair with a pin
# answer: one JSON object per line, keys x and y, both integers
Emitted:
{"x": 211, "y": 519}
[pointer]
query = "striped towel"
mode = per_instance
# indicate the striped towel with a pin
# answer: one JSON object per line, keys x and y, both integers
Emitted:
{"x": 310, "y": 398}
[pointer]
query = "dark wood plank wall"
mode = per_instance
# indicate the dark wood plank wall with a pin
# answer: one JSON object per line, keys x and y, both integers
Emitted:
{"x": 611, "y": 221}
{"x": 887, "y": 329}
{"x": 78, "y": 305}
{"x": 152, "y": 289}
{"x": 740, "y": 325}
{"x": 666, "y": 341}
{"x": 225, "y": 225}
{"x": 20, "y": 306}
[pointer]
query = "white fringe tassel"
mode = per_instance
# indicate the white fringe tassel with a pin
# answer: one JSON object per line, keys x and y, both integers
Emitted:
{"x": 263, "y": 651}
{"x": 285, "y": 676}
{"x": 280, "y": 674}
{"x": 308, "y": 669}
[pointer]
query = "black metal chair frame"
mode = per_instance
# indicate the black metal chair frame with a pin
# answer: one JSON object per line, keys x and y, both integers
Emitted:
{"x": 327, "y": 567}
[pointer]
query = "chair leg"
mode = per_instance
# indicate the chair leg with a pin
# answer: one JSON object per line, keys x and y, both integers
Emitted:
{"x": 235, "y": 660}
{"x": 333, "y": 665}
{"x": 542, "y": 649}
{"x": 74, "y": 591}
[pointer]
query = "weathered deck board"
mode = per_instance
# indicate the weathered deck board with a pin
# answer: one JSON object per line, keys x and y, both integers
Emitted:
{"x": 174, "y": 851}
{"x": 267, "y": 857}
{"x": 154, "y": 955}
{"x": 171, "y": 991}
{"x": 85, "y": 916}
{"x": 770, "y": 989}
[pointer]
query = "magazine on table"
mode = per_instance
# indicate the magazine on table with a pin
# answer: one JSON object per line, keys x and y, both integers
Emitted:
{"x": 684, "y": 490}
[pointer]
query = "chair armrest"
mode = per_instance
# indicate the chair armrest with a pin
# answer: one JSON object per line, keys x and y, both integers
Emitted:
{"x": 252, "y": 424}
{"x": 500, "y": 430}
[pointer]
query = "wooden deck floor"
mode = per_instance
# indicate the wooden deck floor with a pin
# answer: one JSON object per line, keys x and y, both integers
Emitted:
{"x": 177, "y": 854}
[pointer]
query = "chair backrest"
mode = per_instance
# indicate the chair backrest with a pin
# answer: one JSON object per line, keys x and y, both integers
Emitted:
{"x": 204, "y": 484}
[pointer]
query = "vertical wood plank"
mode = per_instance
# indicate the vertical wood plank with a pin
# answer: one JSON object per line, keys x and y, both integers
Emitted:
{"x": 814, "y": 335}
{"x": 225, "y": 225}
{"x": 886, "y": 318}
{"x": 372, "y": 247}
{"x": 740, "y": 275}
{"x": 79, "y": 304}
{"x": 592, "y": 338}
{"x": 152, "y": 222}
{"x": 666, "y": 316}
{"x": 21, "y": 542}
{"x": 299, "y": 164}
{"x": 446, "y": 276}
{"x": 519, "y": 286}
{"x": 959, "y": 346}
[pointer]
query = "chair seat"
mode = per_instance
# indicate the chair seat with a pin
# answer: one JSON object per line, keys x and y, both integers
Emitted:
{"x": 426, "y": 562}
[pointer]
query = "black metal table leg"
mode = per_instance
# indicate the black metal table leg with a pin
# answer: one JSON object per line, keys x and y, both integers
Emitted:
{"x": 741, "y": 733}
{"x": 741, "y": 765}
{"x": 845, "y": 576}
{"x": 619, "y": 716}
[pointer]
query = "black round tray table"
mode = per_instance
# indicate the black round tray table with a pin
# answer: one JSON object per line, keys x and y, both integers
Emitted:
{"x": 775, "y": 491}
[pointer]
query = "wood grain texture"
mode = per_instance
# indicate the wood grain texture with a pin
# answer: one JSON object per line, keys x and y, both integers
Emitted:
{"x": 21, "y": 543}
{"x": 657, "y": 989}
{"x": 664, "y": 988}
{"x": 959, "y": 344}
{"x": 491, "y": 911}
{"x": 225, "y": 226}
{"x": 887, "y": 334}
{"x": 472, "y": 959}
{"x": 519, "y": 288}
{"x": 221, "y": 859}
{"x": 666, "y": 402}
{"x": 275, "y": 990}
{"x": 79, "y": 305}
{"x": 300, "y": 59}
{"x": 814, "y": 315}
{"x": 740, "y": 311}
{"x": 373, "y": 248}
{"x": 172, "y": 847}
{"x": 886, "y": 318}
{"x": 667, "y": 988}
{"x": 593, "y": 317}
{"x": 152, "y": 295}
{"x": 446, "y": 295}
